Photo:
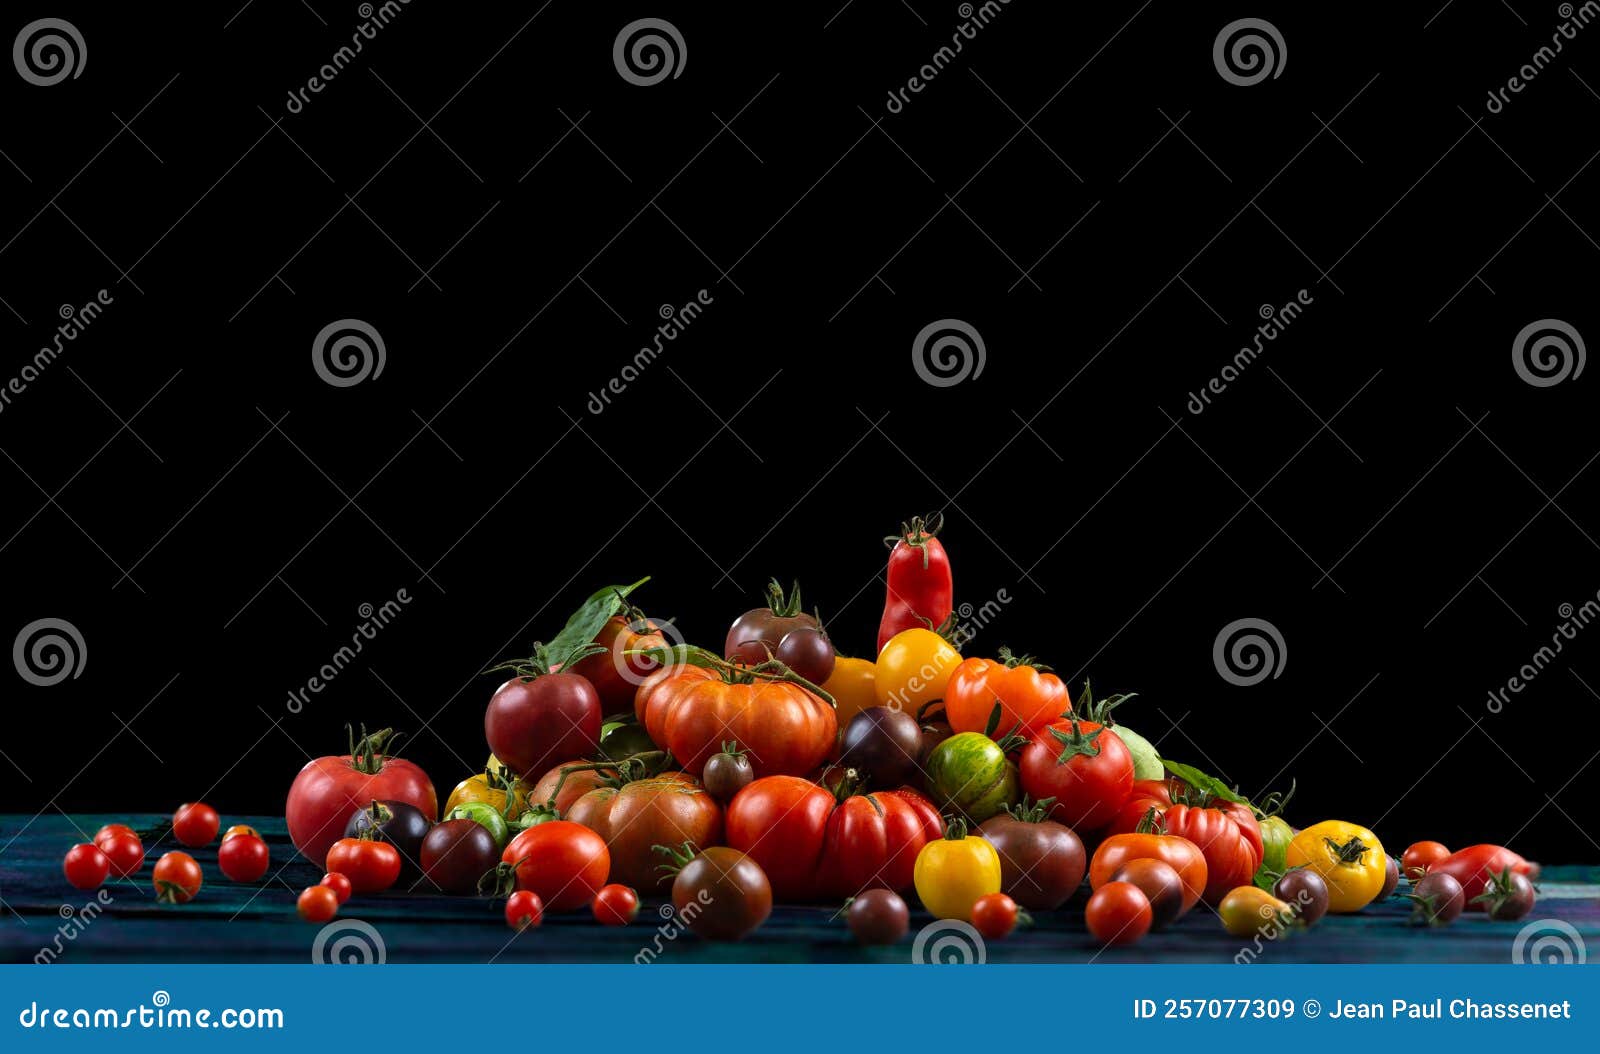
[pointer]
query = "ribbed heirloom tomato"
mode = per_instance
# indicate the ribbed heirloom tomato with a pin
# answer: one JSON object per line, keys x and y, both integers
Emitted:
{"x": 668, "y": 809}
{"x": 1027, "y": 695}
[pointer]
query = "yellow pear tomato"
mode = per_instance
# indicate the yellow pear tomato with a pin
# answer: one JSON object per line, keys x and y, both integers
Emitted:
{"x": 1347, "y": 856}
{"x": 913, "y": 669}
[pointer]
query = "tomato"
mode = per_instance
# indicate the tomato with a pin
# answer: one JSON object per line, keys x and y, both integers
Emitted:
{"x": 124, "y": 851}
{"x": 85, "y": 866}
{"x": 564, "y": 862}
{"x": 720, "y": 893}
{"x": 317, "y": 903}
{"x": 491, "y": 787}
{"x": 1391, "y": 877}
{"x": 1160, "y": 883}
{"x": 616, "y": 905}
{"x": 878, "y": 916}
{"x": 782, "y": 632}
{"x": 1041, "y": 861}
{"x": 851, "y": 686}
{"x": 402, "y": 826}
{"x": 177, "y": 878}
{"x": 1087, "y": 772}
{"x": 727, "y": 773}
{"x": 111, "y": 830}
{"x": 1118, "y": 913}
{"x": 243, "y": 858}
{"x": 195, "y": 824}
{"x": 1420, "y": 856}
{"x": 1349, "y": 858}
{"x": 692, "y": 710}
{"x": 813, "y": 844}
{"x": 239, "y": 829}
{"x": 1231, "y": 843}
{"x": 328, "y": 790}
{"x": 339, "y": 884}
{"x": 1276, "y": 834}
{"x": 456, "y": 854}
{"x": 524, "y": 909}
{"x": 1028, "y": 697}
{"x": 1508, "y": 895}
{"x": 1305, "y": 891}
{"x": 913, "y": 669}
{"x": 1436, "y": 900}
{"x": 1472, "y": 867}
{"x": 969, "y": 772}
{"x": 1185, "y": 857}
{"x": 920, "y": 586}
{"x": 484, "y": 815}
{"x": 995, "y": 915}
{"x": 539, "y": 717}
{"x": 615, "y": 674}
{"x": 1248, "y": 911}
{"x": 952, "y": 872}
{"x": 882, "y": 745}
{"x": 577, "y": 783}
{"x": 668, "y": 809}
{"x": 371, "y": 866}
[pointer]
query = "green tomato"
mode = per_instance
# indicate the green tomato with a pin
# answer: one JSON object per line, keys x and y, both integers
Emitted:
{"x": 1146, "y": 762}
{"x": 1276, "y": 834}
{"x": 486, "y": 816}
{"x": 970, "y": 772}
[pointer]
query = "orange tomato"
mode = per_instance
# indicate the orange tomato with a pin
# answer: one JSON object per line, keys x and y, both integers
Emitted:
{"x": 852, "y": 687}
{"x": 1025, "y": 695}
{"x": 1184, "y": 856}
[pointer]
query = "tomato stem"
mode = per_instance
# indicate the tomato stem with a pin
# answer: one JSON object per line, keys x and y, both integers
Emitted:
{"x": 678, "y": 857}
{"x": 1030, "y": 811}
{"x": 1076, "y": 742}
{"x": 917, "y": 533}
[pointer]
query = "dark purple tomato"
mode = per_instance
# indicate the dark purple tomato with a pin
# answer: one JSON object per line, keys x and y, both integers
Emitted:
{"x": 1511, "y": 897}
{"x": 762, "y": 633}
{"x": 882, "y": 744}
{"x": 401, "y": 825}
{"x": 807, "y": 652}
{"x": 532, "y": 726}
{"x": 726, "y": 773}
{"x": 1438, "y": 900}
{"x": 1041, "y": 861}
{"x": 878, "y": 916}
{"x": 1306, "y": 893}
{"x": 1160, "y": 883}
{"x": 455, "y": 855}
{"x": 1391, "y": 878}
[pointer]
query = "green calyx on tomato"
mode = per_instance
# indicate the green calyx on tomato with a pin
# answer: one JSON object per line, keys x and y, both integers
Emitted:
{"x": 581, "y": 629}
{"x": 1029, "y": 811}
{"x": 1076, "y": 742}
{"x": 1200, "y": 789}
{"x": 1011, "y": 661}
{"x": 678, "y": 856}
{"x": 917, "y": 534}
{"x": 368, "y": 753}
{"x": 534, "y": 815}
{"x": 955, "y": 828}
{"x": 1350, "y": 852}
{"x": 547, "y": 659}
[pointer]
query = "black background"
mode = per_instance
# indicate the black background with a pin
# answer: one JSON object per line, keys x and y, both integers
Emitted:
{"x": 256, "y": 507}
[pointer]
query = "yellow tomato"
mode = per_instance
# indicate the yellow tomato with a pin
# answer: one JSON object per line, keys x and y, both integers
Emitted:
{"x": 481, "y": 788}
{"x": 954, "y": 871}
{"x": 913, "y": 669}
{"x": 1249, "y": 910}
{"x": 851, "y": 685}
{"x": 1348, "y": 857}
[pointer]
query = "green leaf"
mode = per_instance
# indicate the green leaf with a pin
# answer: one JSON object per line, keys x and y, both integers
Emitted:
{"x": 681, "y": 655}
{"x": 1209, "y": 785}
{"x": 585, "y": 623}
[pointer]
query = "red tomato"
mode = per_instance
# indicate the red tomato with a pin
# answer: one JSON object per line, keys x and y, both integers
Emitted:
{"x": 524, "y": 909}
{"x": 125, "y": 852}
{"x": 328, "y": 790}
{"x": 1232, "y": 851}
{"x": 1475, "y": 865}
{"x": 920, "y": 585}
{"x": 668, "y": 809}
{"x": 195, "y": 824}
{"x": 1419, "y": 857}
{"x": 177, "y": 878}
{"x": 692, "y": 711}
{"x": 1118, "y": 913}
{"x": 339, "y": 884}
{"x": 238, "y": 829}
{"x": 243, "y": 858}
{"x": 1119, "y": 850}
{"x": 615, "y": 674}
{"x": 317, "y": 904}
{"x": 813, "y": 846}
{"x": 371, "y": 866}
{"x": 1086, "y": 769}
{"x": 616, "y": 905}
{"x": 994, "y": 915}
{"x": 565, "y": 863}
{"x": 111, "y": 830}
{"x": 86, "y": 866}
{"x": 1026, "y": 696}
{"x": 533, "y": 723}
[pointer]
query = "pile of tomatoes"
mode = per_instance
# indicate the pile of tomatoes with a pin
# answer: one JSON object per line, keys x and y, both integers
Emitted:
{"x": 625, "y": 763}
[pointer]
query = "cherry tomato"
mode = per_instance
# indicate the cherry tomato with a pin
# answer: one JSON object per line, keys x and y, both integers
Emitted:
{"x": 370, "y": 866}
{"x": 317, "y": 904}
{"x": 721, "y": 894}
{"x": 616, "y": 905}
{"x": 339, "y": 884}
{"x": 882, "y": 745}
{"x": 456, "y": 855}
{"x": 86, "y": 866}
{"x": 1437, "y": 899}
{"x": 727, "y": 773}
{"x": 238, "y": 829}
{"x": 125, "y": 852}
{"x": 524, "y": 909}
{"x": 243, "y": 858}
{"x": 1118, "y": 913}
{"x": 195, "y": 824}
{"x": 1305, "y": 891}
{"x": 1508, "y": 895}
{"x": 995, "y": 915}
{"x": 111, "y": 830}
{"x": 783, "y": 632}
{"x": 1419, "y": 857}
{"x": 878, "y": 916}
{"x": 177, "y": 878}
{"x": 1161, "y": 884}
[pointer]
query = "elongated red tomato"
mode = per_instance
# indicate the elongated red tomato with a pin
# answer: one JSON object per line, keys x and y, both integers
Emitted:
{"x": 920, "y": 585}
{"x": 1475, "y": 865}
